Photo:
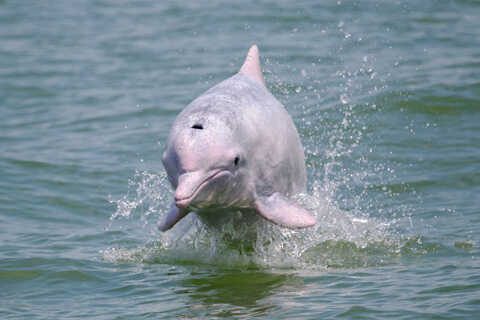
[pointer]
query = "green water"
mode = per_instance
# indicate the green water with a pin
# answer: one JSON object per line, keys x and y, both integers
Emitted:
{"x": 386, "y": 98}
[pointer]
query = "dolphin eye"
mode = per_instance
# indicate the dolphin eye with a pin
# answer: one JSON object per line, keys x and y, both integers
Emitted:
{"x": 197, "y": 126}
{"x": 236, "y": 161}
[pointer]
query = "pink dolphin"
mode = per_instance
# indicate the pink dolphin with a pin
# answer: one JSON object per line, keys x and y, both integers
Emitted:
{"x": 235, "y": 148}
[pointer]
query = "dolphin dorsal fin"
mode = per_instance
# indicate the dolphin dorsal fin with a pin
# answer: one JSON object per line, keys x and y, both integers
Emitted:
{"x": 251, "y": 66}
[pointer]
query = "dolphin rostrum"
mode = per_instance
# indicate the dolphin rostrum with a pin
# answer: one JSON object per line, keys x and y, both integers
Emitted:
{"x": 235, "y": 148}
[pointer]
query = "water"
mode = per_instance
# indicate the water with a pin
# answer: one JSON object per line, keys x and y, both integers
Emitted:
{"x": 386, "y": 97}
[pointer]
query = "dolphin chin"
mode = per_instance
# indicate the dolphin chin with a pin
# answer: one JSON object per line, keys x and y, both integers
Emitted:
{"x": 192, "y": 184}
{"x": 182, "y": 204}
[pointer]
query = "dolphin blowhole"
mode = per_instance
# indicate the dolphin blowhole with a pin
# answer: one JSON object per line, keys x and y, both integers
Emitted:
{"x": 197, "y": 126}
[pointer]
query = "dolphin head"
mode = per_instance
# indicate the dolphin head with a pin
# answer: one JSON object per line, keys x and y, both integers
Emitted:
{"x": 205, "y": 164}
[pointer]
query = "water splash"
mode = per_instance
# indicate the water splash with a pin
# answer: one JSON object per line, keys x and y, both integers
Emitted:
{"x": 147, "y": 193}
{"x": 339, "y": 239}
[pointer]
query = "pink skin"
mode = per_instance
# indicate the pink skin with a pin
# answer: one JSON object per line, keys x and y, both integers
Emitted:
{"x": 236, "y": 148}
{"x": 202, "y": 176}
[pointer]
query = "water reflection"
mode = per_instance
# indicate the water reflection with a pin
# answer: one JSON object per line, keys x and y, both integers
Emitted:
{"x": 237, "y": 292}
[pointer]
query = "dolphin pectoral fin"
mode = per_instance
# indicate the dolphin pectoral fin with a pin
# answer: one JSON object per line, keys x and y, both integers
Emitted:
{"x": 282, "y": 211}
{"x": 173, "y": 216}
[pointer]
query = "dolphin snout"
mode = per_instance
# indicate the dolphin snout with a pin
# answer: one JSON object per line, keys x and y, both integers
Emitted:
{"x": 181, "y": 200}
{"x": 190, "y": 185}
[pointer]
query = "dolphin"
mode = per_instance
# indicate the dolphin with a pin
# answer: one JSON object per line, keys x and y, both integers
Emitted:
{"x": 236, "y": 149}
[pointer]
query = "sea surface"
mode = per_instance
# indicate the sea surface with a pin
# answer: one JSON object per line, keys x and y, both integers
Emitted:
{"x": 386, "y": 99}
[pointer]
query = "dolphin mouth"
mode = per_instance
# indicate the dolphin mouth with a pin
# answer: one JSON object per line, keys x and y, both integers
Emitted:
{"x": 184, "y": 201}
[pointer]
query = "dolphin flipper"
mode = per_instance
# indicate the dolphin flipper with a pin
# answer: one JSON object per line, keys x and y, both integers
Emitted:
{"x": 282, "y": 211}
{"x": 173, "y": 216}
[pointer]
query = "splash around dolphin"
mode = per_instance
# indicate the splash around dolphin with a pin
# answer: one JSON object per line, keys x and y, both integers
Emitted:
{"x": 236, "y": 149}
